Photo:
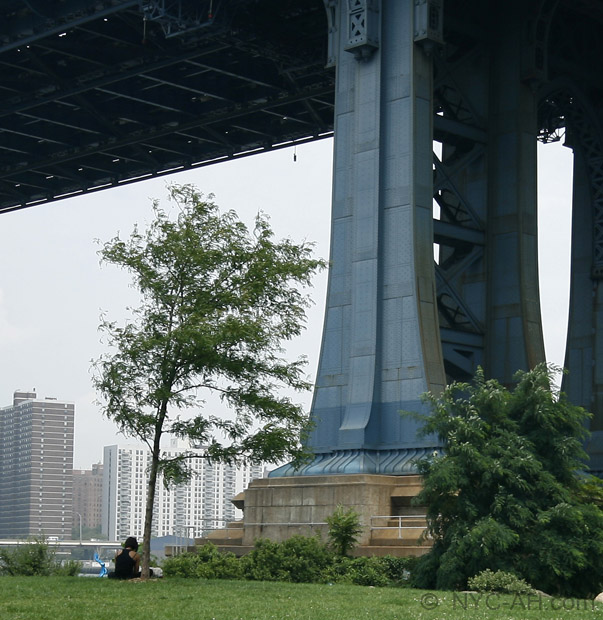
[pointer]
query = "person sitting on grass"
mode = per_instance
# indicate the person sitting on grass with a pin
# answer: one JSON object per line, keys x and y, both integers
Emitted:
{"x": 127, "y": 561}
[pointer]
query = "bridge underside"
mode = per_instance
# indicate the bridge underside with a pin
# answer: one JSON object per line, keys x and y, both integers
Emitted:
{"x": 102, "y": 93}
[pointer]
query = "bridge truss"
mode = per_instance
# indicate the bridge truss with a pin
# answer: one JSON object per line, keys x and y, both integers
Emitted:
{"x": 99, "y": 93}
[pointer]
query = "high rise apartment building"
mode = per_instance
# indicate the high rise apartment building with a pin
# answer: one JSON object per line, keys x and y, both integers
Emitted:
{"x": 88, "y": 496}
{"x": 36, "y": 465}
{"x": 189, "y": 509}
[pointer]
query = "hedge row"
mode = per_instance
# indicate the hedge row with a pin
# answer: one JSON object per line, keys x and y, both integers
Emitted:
{"x": 300, "y": 559}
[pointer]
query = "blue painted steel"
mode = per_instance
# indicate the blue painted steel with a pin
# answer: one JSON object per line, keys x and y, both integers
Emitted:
{"x": 381, "y": 348}
{"x": 398, "y": 325}
{"x": 584, "y": 383}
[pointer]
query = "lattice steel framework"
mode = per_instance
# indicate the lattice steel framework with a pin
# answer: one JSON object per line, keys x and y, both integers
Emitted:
{"x": 97, "y": 93}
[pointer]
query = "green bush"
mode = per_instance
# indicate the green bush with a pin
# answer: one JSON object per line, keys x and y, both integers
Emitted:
{"x": 183, "y": 565}
{"x": 216, "y": 564}
{"x": 67, "y": 568}
{"x": 367, "y": 571}
{"x": 265, "y": 562}
{"x": 399, "y": 570}
{"x": 499, "y": 581}
{"x": 338, "y": 570}
{"x": 34, "y": 557}
{"x": 305, "y": 559}
{"x": 300, "y": 559}
{"x": 206, "y": 563}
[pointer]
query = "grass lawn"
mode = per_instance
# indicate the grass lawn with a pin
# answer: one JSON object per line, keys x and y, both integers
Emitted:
{"x": 64, "y": 598}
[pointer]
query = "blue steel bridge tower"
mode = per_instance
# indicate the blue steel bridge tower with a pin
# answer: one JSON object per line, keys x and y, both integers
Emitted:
{"x": 485, "y": 80}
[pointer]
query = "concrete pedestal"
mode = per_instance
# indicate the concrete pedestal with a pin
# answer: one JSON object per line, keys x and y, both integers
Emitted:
{"x": 278, "y": 508}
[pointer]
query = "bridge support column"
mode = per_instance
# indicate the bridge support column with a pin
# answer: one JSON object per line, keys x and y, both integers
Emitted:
{"x": 398, "y": 325}
{"x": 485, "y": 190}
{"x": 381, "y": 348}
{"x": 584, "y": 351}
{"x": 514, "y": 338}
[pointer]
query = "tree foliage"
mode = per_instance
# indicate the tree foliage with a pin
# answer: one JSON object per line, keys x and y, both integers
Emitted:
{"x": 217, "y": 302}
{"x": 507, "y": 492}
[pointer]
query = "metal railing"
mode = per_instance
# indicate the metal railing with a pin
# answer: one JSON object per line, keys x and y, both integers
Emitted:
{"x": 227, "y": 530}
{"x": 401, "y": 522}
{"x": 399, "y": 525}
{"x": 310, "y": 524}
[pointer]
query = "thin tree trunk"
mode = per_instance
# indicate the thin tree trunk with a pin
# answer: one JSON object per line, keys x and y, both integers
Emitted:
{"x": 151, "y": 488}
{"x": 148, "y": 517}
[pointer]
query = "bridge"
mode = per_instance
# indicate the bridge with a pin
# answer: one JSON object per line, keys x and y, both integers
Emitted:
{"x": 101, "y": 93}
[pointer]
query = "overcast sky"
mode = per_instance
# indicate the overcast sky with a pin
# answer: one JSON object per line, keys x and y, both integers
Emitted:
{"x": 52, "y": 289}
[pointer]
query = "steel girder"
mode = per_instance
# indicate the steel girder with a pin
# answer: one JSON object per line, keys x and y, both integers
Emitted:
{"x": 97, "y": 94}
{"x": 571, "y": 108}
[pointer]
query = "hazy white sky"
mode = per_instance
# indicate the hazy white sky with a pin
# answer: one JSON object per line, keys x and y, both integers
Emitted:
{"x": 52, "y": 289}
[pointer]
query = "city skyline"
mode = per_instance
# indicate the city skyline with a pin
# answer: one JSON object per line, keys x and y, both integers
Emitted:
{"x": 49, "y": 250}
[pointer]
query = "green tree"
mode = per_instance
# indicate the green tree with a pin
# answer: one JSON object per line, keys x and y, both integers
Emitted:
{"x": 344, "y": 529}
{"x": 507, "y": 493}
{"x": 217, "y": 302}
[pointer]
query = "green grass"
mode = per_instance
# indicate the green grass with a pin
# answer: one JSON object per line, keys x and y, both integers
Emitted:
{"x": 64, "y": 598}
